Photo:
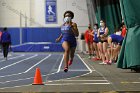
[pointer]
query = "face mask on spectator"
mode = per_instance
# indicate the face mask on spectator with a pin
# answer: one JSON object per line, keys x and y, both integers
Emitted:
{"x": 95, "y": 27}
{"x": 101, "y": 24}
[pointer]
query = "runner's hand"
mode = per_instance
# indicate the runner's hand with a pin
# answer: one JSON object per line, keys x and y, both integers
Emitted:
{"x": 57, "y": 40}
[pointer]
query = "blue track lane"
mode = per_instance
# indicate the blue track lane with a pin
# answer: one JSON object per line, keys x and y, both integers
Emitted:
{"x": 20, "y": 71}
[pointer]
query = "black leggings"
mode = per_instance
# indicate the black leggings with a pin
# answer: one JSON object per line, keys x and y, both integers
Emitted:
{"x": 5, "y": 47}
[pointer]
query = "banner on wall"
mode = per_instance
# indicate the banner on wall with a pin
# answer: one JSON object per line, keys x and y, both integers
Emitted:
{"x": 51, "y": 11}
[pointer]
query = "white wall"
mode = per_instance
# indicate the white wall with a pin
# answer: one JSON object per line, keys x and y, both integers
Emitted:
{"x": 10, "y": 12}
{"x": 10, "y": 15}
{"x": 79, "y": 7}
{"x": 35, "y": 12}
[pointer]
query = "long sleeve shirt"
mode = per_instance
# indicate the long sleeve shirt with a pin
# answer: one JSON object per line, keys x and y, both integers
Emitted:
{"x": 5, "y": 37}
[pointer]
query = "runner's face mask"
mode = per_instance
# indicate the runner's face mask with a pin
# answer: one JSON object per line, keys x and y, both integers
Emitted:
{"x": 67, "y": 19}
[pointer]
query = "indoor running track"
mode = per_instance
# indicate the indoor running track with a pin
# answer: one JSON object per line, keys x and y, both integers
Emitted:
{"x": 19, "y": 69}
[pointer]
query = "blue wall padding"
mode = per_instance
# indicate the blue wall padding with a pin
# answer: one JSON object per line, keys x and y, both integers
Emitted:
{"x": 15, "y": 35}
{"x": 41, "y": 34}
{"x": 34, "y": 35}
{"x": 54, "y": 47}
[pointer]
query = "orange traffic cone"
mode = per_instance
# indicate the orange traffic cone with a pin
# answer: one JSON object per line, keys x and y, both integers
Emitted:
{"x": 37, "y": 78}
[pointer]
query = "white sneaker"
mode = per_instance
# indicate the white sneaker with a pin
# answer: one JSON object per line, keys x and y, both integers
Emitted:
{"x": 89, "y": 57}
{"x": 102, "y": 63}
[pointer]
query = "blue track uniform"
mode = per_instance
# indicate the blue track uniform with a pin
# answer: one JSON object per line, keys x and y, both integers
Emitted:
{"x": 95, "y": 36}
{"x": 117, "y": 39}
{"x": 68, "y": 35}
{"x": 102, "y": 31}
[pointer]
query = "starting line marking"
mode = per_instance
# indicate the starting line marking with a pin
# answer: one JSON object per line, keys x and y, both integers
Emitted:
{"x": 84, "y": 80}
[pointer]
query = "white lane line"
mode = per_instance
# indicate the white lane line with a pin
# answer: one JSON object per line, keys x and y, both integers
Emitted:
{"x": 37, "y": 63}
{"x": 58, "y": 85}
{"x": 18, "y": 62}
{"x": 78, "y": 70}
{"x": 84, "y": 80}
{"x": 59, "y": 68}
{"x": 69, "y": 78}
{"x": 13, "y": 58}
{"x": 27, "y": 69}
{"x": 18, "y": 80}
{"x": 80, "y": 81}
{"x": 77, "y": 84}
{"x": 130, "y": 82}
{"x": 135, "y": 82}
{"x": 14, "y": 80}
{"x": 16, "y": 86}
{"x": 85, "y": 64}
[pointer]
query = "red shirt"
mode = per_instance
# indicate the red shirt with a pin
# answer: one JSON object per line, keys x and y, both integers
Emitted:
{"x": 0, "y": 35}
{"x": 123, "y": 32}
{"x": 88, "y": 37}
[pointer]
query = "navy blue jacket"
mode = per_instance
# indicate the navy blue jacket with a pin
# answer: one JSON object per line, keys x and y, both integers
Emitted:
{"x": 6, "y": 37}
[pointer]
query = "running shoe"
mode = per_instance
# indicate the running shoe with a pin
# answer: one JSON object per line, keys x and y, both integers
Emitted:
{"x": 70, "y": 62}
{"x": 96, "y": 59}
{"x": 66, "y": 69}
{"x": 108, "y": 62}
{"x": 102, "y": 63}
